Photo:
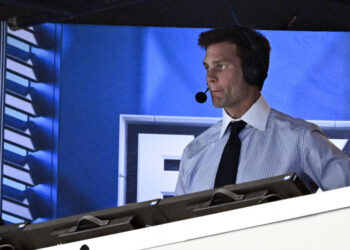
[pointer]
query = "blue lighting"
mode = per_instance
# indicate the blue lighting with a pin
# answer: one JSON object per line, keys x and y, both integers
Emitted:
{"x": 14, "y": 184}
{"x": 11, "y": 219}
{"x": 17, "y": 79}
{"x": 15, "y": 149}
{"x": 18, "y": 44}
{"x": 16, "y": 114}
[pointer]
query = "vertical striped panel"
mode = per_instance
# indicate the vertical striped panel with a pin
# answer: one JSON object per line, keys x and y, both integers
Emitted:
{"x": 17, "y": 176}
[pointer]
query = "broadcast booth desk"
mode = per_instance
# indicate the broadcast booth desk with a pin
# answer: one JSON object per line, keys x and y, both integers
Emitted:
{"x": 275, "y": 213}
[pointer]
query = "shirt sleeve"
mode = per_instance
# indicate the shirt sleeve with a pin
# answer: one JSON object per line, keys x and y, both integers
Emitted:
{"x": 323, "y": 162}
{"x": 180, "y": 187}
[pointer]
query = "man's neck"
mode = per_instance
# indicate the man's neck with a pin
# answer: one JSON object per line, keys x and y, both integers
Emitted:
{"x": 238, "y": 111}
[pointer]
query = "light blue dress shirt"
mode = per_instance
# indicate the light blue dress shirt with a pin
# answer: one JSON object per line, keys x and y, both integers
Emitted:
{"x": 273, "y": 144}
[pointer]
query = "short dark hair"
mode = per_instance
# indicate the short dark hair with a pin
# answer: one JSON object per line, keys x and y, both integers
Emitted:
{"x": 252, "y": 48}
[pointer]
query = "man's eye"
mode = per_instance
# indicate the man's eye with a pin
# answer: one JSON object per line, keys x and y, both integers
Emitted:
{"x": 221, "y": 66}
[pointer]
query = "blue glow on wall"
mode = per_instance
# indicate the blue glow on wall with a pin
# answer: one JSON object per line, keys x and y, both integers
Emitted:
{"x": 308, "y": 75}
{"x": 16, "y": 114}
{"x": 17, "y": 79}
{"x": 14, "y": 184}
{"x": 17, "y": 43}
{"x": 15, "y": 149}
{"x": 11, "y": 219}
{"x": 99, "y": 79}
{"x": 173, "y": 73}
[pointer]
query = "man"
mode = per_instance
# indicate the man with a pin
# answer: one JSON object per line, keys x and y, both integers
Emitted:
{"x": 270, "y": 143}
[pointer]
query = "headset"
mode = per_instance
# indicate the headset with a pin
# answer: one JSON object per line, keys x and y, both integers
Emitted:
{"x": 253, "y": 67}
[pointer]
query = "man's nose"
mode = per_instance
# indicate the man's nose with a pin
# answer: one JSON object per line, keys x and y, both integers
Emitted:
{"x": 211, "y": 76}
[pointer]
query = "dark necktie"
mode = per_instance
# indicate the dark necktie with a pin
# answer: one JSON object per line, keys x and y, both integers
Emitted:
{"x": 227, "y": 171}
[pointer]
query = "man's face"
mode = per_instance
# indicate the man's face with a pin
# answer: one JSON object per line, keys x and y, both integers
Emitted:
{"x": 225, "y": 80}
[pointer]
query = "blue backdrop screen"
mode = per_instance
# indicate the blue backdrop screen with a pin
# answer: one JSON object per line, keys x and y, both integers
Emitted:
{"x": 308, "y": 76}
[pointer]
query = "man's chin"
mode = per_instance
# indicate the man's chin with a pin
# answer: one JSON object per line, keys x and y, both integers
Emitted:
{"x": 217, "y": 105}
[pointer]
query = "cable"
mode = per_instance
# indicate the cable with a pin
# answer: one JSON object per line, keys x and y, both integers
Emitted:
{"x": 233, "y": 14}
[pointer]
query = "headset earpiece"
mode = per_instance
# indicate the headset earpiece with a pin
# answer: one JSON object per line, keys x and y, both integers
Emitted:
{"x": 254, "y": 69}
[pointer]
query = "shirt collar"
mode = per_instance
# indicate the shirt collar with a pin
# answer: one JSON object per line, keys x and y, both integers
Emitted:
{"x": 256, "y": 116}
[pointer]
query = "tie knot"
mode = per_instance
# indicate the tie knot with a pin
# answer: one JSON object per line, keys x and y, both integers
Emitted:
{"x": 236, "y": 127}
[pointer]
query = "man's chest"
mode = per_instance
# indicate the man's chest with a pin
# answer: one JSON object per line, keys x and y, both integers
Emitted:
{"x": 260, "y": 157}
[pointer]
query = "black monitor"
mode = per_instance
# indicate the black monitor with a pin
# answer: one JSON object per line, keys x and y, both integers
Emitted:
{"x": 94, "y": 224}
{"x": 232, "y": 197}
{"x": 149, "y": 213}
{"x": 83, "y": 226}
{"x": 13, "y": 237}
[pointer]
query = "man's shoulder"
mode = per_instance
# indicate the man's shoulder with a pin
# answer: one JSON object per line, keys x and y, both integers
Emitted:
{"x": 286, "y": 121}
{"x": 209, "y": 136}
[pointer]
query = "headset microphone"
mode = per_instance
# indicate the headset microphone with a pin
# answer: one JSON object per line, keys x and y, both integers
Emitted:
{"x": 201, "y": 97}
